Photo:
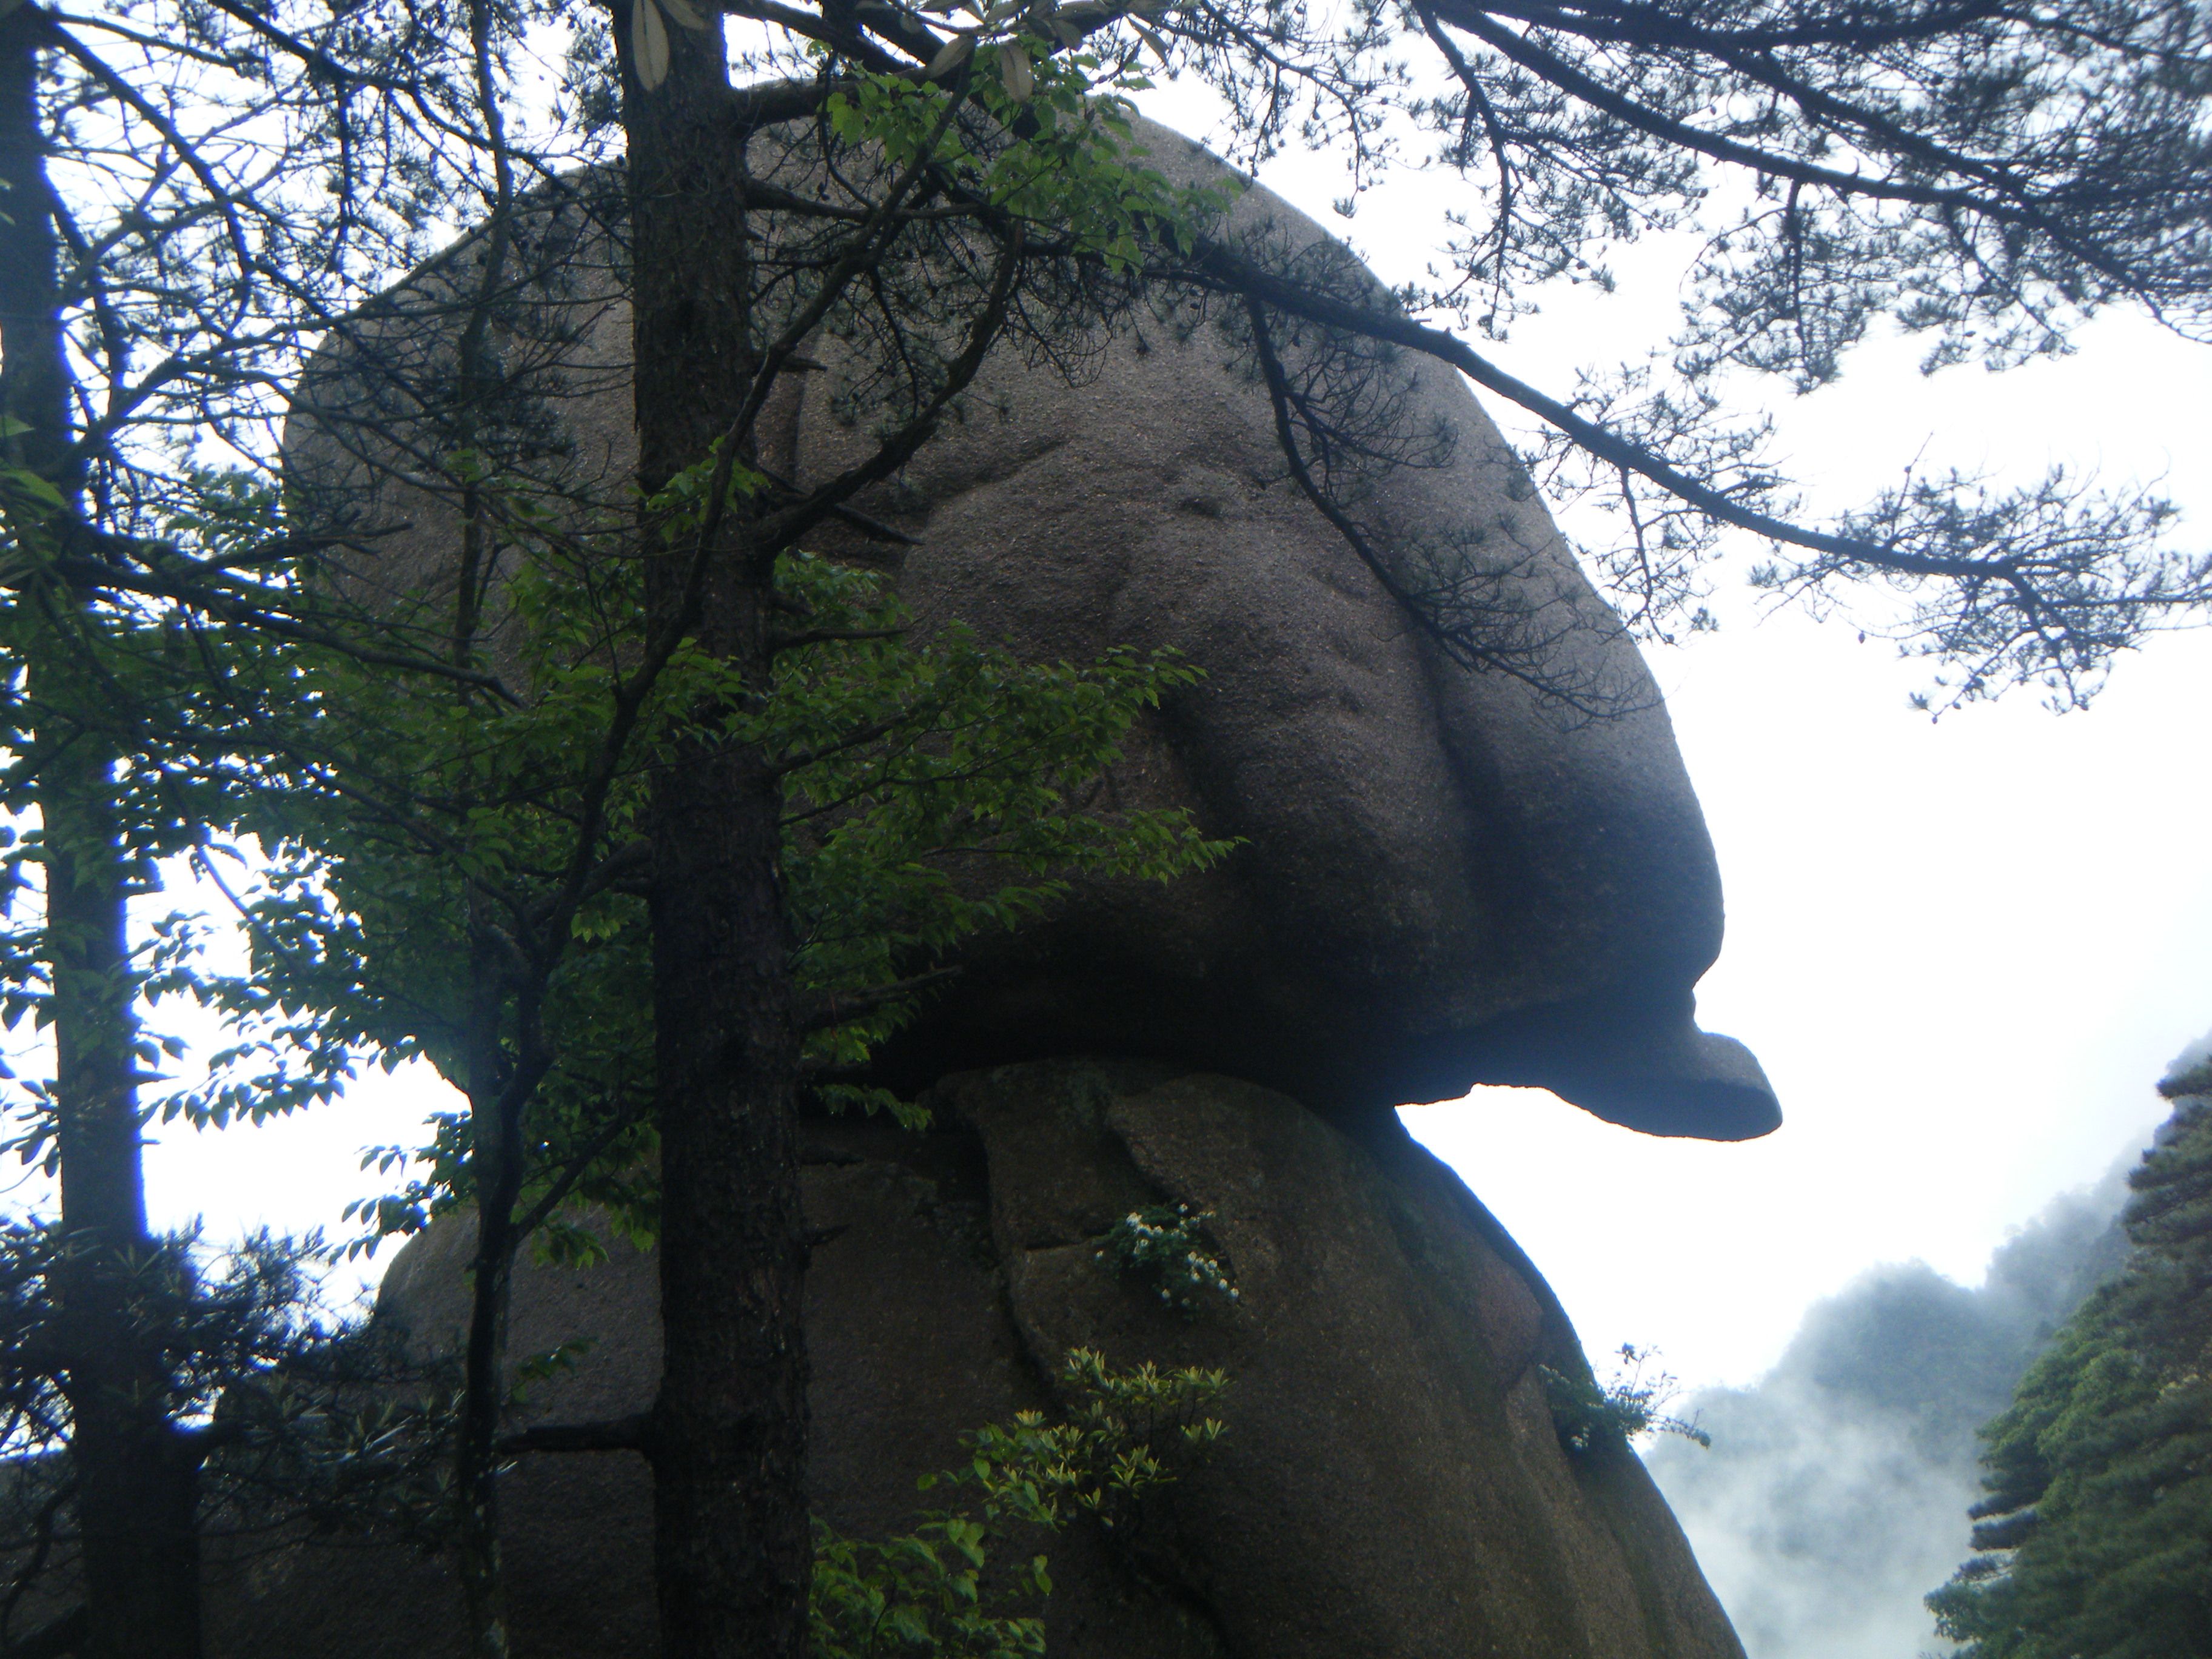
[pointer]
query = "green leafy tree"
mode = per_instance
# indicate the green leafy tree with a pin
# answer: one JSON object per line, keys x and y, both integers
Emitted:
{"x": 195, "y": 193}
{"x": 735, "y": 272}
{"x": 2097, "y": 1532}
{"x": 461, "y": 879}
{"x": 931, "y": 1593}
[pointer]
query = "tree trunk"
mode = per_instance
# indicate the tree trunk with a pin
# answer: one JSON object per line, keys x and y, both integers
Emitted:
{"x": 496, "y": 1166}
{"x": 729, "y": 1441}
{"x": 137, "y": 1473}
{"x": 733, "y": 1553}
{"x": 496, "y": 1120}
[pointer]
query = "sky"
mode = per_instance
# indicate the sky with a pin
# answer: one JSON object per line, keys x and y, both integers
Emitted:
{"x": 1964, "y": 948}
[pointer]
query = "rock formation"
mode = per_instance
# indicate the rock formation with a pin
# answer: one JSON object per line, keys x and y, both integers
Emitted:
{"x": 1390, "y": 1485}
{"x": 1443, "y": 880}
{"x": 1449, "y": 876}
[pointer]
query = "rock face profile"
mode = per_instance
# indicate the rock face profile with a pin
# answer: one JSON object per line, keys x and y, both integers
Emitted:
{"x": 1389, "y": 1484}
{"x": 1446, "y": 876}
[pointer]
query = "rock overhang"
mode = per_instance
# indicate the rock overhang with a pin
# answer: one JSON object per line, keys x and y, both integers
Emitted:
{"x": 1443, "y": 878}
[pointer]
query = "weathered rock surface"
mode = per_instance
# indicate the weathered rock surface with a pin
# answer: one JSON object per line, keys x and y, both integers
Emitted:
{"x": 1447, "y": 878}
{"x": 1390, "y": 1483}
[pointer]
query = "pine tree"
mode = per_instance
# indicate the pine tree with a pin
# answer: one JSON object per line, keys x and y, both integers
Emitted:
{"x": 2098, "y": 1527}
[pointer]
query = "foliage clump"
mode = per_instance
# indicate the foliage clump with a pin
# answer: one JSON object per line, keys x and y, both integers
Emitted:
{"x": 934, "y": 788}
{"x": 1589, "y": 1414}
{"x": 931, "y": 1591}
{"x": 2095, "y": 1540}
{"x": 1170, "y": 1248}
{"x": 297, "y": 1414}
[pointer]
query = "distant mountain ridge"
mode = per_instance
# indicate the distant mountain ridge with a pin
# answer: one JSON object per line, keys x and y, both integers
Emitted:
{"x": 1835, "y": 1495}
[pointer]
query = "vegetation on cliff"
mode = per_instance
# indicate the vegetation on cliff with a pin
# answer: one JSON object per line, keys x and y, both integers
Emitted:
{"x": 930, "y": 1592}
{"x": 2097, "y": 1532}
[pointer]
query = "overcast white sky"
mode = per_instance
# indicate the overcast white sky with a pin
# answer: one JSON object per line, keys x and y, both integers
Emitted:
{"x": 1963, "y": 950}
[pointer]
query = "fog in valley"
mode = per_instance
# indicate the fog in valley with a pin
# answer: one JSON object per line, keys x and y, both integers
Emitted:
{"x": 1835, "y": 1493}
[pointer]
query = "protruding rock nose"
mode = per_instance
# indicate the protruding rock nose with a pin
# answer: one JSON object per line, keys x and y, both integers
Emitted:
{"x": 1648, "y": 1068}
{"x": 1689, "y": 1083}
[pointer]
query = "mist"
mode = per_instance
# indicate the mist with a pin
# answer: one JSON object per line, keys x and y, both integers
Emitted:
{"x": 1835, "y": 1493}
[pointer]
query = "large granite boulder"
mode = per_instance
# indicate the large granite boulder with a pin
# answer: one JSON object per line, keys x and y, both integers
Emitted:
{"x": 1448, "y": 876}
{"x": 1390, "y": 1485}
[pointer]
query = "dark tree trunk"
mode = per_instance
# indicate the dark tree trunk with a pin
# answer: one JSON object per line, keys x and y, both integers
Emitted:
{"x": 496, "y": 1169}
{"x": 137, "y": 1473}
{"x": 495, "y": 1113}
{"x": 729, "y": 1440}
{"x": 729, "y": 1435}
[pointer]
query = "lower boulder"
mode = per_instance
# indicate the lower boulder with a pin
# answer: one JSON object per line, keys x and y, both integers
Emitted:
{"x": 1389, "y": 1484}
